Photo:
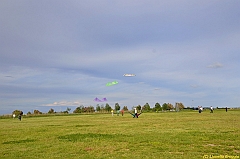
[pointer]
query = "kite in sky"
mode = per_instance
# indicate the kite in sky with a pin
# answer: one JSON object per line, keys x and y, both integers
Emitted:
{"x": 98, "y": 100}
{"x": 111, "y": 83}
{"x": 104, "y": 99}
{"x": 129, "y": 75}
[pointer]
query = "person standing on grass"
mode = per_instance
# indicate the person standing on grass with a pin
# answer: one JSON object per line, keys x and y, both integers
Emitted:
{"x": 211, "y": 108}
{"x": 226, "y": 109}
{"x": 20, "y": 116}
{"x": 122, "y": 111}
{"x": 112, "y": 112}
{"x": 199, "y": 109}
{"x": 135, "y": 111}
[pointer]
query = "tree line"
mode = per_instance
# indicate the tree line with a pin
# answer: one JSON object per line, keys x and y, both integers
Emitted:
{"x": 107, "y": 108}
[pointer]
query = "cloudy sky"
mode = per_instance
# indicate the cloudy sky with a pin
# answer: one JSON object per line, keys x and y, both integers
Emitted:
{"x": 57, "y": 53}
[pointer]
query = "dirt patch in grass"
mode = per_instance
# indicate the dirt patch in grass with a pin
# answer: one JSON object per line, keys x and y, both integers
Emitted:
{"x": 88, "y": 149}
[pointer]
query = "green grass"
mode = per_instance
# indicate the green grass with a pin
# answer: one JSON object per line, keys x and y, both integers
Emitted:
{"x": 153, "y": 135}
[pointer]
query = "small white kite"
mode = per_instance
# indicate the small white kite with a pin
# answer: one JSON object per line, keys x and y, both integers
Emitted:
{"x": 129, "y": 75}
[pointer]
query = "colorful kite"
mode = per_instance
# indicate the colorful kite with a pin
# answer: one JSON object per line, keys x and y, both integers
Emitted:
{"x": 136, "y": 115}
{"x": 111, "y": 83}
{"x": 129, "y": 75}
{"x": 104, "y": 99}
{"x": 98, "y": 100}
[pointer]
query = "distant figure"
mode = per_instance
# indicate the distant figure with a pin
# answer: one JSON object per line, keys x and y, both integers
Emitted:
{"x": 135, "y": 111}
{"x": 112, "y": 112}
{"x": 199, "y": 109}
{"x": 20, "y": 116}
{"x": 117, "y": 112}
{"x": 226, "y": 109}
{"x": 14, "y": 116}
{"x": 122, "y": 111}
{"x": 211, "y": 108}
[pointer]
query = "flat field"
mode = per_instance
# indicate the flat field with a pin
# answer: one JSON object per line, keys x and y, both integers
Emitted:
{"x": 185, "y": 134}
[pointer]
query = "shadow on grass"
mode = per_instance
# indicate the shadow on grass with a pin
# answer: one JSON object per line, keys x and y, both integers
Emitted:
{"x": 53, "y": 125}
{"x": 91, "y": 137}
{"x": 19, "y": 141}
{"x": 84, "y": 125}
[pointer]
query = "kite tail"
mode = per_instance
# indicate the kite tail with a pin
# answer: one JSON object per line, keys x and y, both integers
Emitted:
{"x": 132, "y": 114}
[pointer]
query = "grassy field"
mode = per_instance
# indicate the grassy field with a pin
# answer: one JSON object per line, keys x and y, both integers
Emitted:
{"x": 153, "y": 135}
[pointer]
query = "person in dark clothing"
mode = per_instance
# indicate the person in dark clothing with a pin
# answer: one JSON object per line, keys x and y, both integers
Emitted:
{"x": 20, "y": 116}
{"x": 199, "y": 109}
{"x": 226, "y": 109}
{"x": 211, "y": 108}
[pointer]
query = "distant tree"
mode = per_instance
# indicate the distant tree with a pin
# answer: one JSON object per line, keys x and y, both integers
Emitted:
{"x": 181, "y": 106}
{"x": 164, "y": 106}
{"x": 139, "y": 107}
{"x": 16, "y": 112}
{"x": 68, "y": 109}
{"x": 29, "y": 113}
{"x": 102, "y": 107}
{"x": 117, "y": 106}
{"x": 79, "y": 109}
{"x": 125, "y": 108}
{"x": 51, "y": 111}
{"x": 98, "y": 108}
{"x": 146, "y": 107}
{"x": 89, "y": 109}
{"x": 37, "y": 112}
{"x": 169, "y": 106}
{"x": 108, "y": 107}
{"x": 158, "y": 107}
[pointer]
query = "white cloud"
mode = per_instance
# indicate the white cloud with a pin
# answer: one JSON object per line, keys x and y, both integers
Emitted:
{"x": 64, "y": 103}
{"x": 194, "y": 85}
{"x": 215, "y": 65}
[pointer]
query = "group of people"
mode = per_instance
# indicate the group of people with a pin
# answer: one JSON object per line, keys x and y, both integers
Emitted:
{"x": 118, "y": 112}
{"x": 135, "y": 114}
{"x": 200, "y": 109}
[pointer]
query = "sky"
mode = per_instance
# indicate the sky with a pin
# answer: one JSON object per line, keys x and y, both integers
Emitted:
{"x": 58, "y": 54}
